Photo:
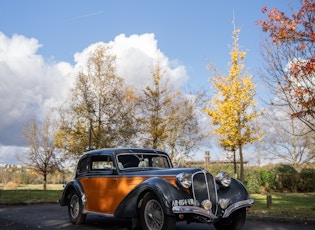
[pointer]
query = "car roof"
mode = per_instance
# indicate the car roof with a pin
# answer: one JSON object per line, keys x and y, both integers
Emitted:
{"x": 115, "y": 151}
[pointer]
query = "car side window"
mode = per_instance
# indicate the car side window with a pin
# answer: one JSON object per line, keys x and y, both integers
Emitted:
{"x": 160, "y": 162}
{"x": 83, "y": 166}
{"x": 102, "y": 163}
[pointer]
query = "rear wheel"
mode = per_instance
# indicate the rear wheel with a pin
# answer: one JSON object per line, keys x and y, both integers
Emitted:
{"x": 75, "y": 208}
{"x": 152, "y": 216}
{"x": 234, "y": 222}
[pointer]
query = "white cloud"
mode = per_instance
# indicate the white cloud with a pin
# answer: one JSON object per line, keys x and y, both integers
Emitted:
{"x": 30, "y": 86}
{"x": 136, "y": 57}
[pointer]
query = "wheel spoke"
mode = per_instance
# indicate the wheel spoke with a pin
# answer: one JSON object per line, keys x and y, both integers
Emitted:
{"x": 154, "y": 215}
{"x": 74, "y": 204}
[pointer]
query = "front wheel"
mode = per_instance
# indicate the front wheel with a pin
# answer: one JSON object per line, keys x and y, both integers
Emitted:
{"x": 75, "y": 209}
{"x": 234, "y": 222}
{"x": 152, "y": 216}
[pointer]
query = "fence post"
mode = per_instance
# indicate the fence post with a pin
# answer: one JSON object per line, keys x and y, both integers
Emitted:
{"x": 269, "y": 201}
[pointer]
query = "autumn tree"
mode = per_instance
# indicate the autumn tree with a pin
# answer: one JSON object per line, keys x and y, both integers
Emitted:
{"x": 232, "y": 109}
{"x": 289, "y": 55}
{"x": 98, "y": 89}
{"x": 168, "y": 119}
{"x": 154, "y": 104}
{"x": 43, "y": 156}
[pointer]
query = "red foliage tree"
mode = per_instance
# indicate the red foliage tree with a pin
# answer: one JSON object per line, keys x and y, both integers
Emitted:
{"x": 293, "y": 55}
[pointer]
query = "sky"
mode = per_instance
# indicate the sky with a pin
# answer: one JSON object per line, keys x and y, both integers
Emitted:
{"x": 41, "y": 42}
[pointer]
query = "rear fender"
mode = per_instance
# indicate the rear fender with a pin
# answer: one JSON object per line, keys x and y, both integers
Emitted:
{"x": 71, "y": 186}
{"x": 163, "y": 190}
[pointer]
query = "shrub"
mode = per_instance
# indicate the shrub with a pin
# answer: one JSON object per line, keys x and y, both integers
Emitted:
{"x": 10, "y": 186}
{"x": 253, "y": 181}
{"x": 306, "y": 181}
{"x": 267, "y": 179}
{"x": 286, "y": 178}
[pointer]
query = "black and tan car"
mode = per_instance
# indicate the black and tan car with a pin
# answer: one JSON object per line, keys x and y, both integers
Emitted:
{"x": 143, "y": 185}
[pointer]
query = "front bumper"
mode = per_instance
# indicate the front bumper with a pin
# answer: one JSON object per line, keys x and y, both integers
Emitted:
{"x": 208, "y": 213}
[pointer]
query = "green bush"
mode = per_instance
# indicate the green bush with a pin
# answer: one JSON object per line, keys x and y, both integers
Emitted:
{"x": 253, "y": 181}
{"x": 217, "y": 168}
{"x": 286, "y": 178}
{"x": 267, "y": 179}
{"x": 306, "y": 181}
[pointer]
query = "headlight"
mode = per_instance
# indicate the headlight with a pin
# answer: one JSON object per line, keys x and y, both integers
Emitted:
{"x": 183, "y": 180}
{"x": 224, "y": 179}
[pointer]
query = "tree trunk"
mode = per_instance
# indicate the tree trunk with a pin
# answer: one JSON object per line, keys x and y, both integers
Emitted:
{"x": 241, "y": 164}
{"x": 45, "y": 182}
{"x": 234, "y": 162}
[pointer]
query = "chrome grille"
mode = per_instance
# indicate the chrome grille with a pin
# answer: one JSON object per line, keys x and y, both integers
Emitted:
{"x": 203, "y": 187}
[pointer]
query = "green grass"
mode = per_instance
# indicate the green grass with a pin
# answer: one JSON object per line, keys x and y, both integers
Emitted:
{"x": 31, "y": 192}
{"x": 29, "y": 195}
{"x": 296, "y": 205}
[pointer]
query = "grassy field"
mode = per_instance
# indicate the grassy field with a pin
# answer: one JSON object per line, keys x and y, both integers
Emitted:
{"x": 29, "y": 195}
{"x": 31, "y": 192}
{"x": 296, "y": 205}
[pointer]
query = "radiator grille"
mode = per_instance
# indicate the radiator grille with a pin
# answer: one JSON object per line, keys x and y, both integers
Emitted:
{"x": 203, "y": 187}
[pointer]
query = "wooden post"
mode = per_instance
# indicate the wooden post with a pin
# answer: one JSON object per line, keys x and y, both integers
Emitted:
{"x": 207, "y": 158}
{"x": 269, "y": 201}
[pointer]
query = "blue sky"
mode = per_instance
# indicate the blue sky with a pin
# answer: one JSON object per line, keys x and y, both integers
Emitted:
{"x": 46, "y": 37}
{"x": 188, "y": 31}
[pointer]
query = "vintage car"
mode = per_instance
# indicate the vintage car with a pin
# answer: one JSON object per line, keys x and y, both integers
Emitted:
{"x": 142, "y": 185}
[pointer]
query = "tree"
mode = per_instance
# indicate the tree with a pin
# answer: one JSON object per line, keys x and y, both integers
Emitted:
{"x": 98, "y": 89}
{"x": 285, "y": 139}
{"x": 43, "y": 156}
{"x": 168, "y": 118}
{"x": 232, "y": 108}
{"x": 154, "y": 104}
{"x": 183, "y": 128}
{"x": 289, "y": 55}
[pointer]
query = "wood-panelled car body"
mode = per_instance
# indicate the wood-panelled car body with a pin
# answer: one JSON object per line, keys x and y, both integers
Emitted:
{"x": 143, "y": 185}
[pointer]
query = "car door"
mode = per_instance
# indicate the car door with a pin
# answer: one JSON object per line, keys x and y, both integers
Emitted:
{"x": 100, "y": 185}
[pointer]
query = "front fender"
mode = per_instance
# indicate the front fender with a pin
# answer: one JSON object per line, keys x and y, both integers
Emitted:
{"x": 164, "y": 191}
{"x": 235, "y": 192}
{"x": 236, "y": 195}
{"x": 73, "y": 185}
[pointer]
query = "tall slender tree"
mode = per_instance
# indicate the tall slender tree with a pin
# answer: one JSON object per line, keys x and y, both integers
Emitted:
{"x": 154, "y": 104}
{"x": 232, "y": 109}
{"x": 168, "y": 118}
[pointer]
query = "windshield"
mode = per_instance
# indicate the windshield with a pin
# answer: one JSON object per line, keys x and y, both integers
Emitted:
{"x": 145, "y": 160}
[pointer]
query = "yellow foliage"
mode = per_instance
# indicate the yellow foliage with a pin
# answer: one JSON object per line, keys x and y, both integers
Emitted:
{"x": 233, "y": 107}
